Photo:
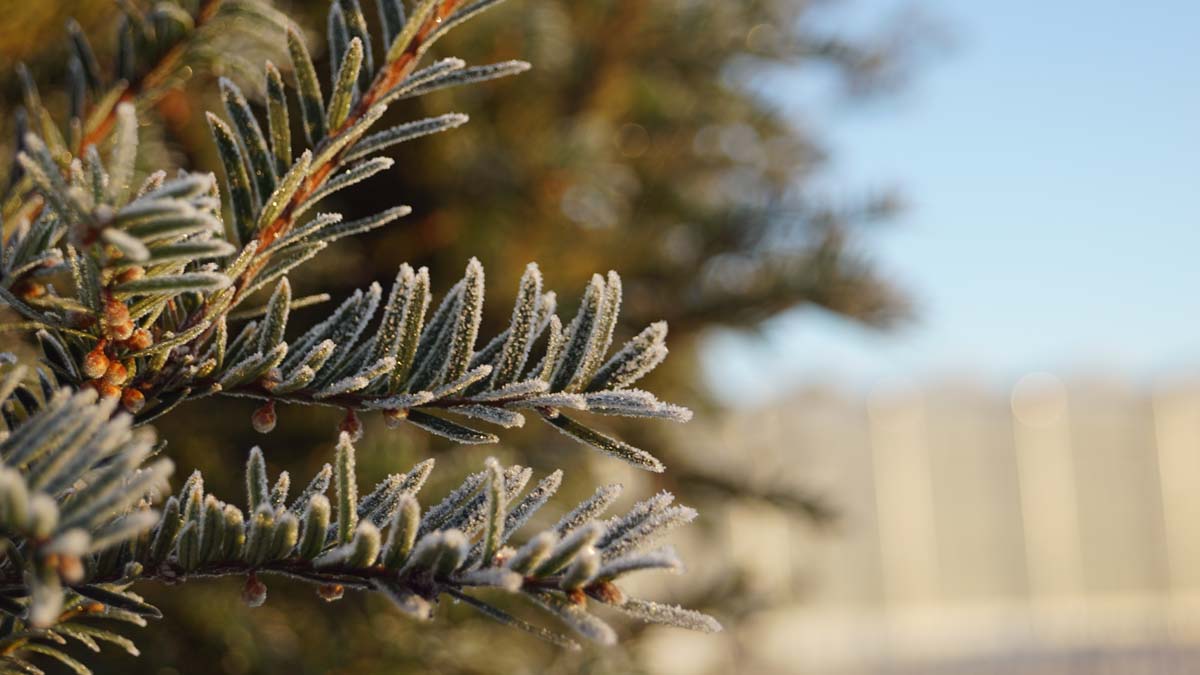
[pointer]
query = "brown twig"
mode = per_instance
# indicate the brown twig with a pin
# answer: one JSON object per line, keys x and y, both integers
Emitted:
{"x": 348, "y": 401}
{"x": 391, "y": 75}
{"x": 298, "y": 568}
{"x": 388, "y": 78}
{"x": 152, "y": 78}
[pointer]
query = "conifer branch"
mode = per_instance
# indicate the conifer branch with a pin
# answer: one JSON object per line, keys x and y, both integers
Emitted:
{"x": 135, "y": 293}
{"x": 77, "y": 531}
{"x": 156, "y": 48}
{"x": 159, "y": 272}
{"x": 147, "y": 82}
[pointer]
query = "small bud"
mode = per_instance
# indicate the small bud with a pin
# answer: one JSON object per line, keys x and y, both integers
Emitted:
{"x": 121, "y": 331}
{"x": 95, "y": 362}
{"x": 394, "y": 418}
{"x": 116, "y": 373}
{"x": 29, "y": 290}
{"x": 70, "y": 568}
{"x": 116, "y": 319}
{"x": 107, "y": 390}
{"x": 264, "y": 418}
{"x": 271, "y": 379}
{"x": 131, "y": 274}
{"x": 133, "y": 400}
{"x": 255, "y": 592}
{"x": 141, "y": 339}
{"x": 607, "y": 592}
{"x": 331, "y": 592}
{"x": 352, "y": 426}
{"x": 115, "y": 312}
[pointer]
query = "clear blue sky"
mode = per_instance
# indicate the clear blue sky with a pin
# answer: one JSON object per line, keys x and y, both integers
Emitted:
{"x": 1051, "y": 160}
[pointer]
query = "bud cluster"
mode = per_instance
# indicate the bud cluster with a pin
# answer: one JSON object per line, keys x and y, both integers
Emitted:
{"x": 109, "y": 375}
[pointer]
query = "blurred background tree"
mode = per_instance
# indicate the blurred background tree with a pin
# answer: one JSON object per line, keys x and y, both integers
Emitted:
{"x": 639, "y": 123}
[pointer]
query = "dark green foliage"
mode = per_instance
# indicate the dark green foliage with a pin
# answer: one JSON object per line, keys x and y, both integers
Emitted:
{"x": 139, "y": 290}
{"x": 75, "y": 518}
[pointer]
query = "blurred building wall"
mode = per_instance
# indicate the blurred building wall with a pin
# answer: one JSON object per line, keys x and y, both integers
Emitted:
{"x": 1052, "y": 528}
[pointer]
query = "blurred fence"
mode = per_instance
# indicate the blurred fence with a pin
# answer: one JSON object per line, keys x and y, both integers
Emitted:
{"x": 1051, "y": 529}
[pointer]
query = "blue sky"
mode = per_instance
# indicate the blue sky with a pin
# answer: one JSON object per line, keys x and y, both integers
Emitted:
{"x": 1051, "y": 161}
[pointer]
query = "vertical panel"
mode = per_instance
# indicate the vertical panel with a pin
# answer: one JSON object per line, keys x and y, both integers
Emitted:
{"x": 1121, "y": 522}
{"x": 903, "y": 493}
{"x": 1177, "y": 433}
{"x": 976, "y": 493}
{"x": 1049, "y": 505}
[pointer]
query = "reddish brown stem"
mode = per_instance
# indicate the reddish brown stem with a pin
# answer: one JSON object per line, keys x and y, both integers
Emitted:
{"x": 151, "y": 79}
{"x": 386, "y": 80}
